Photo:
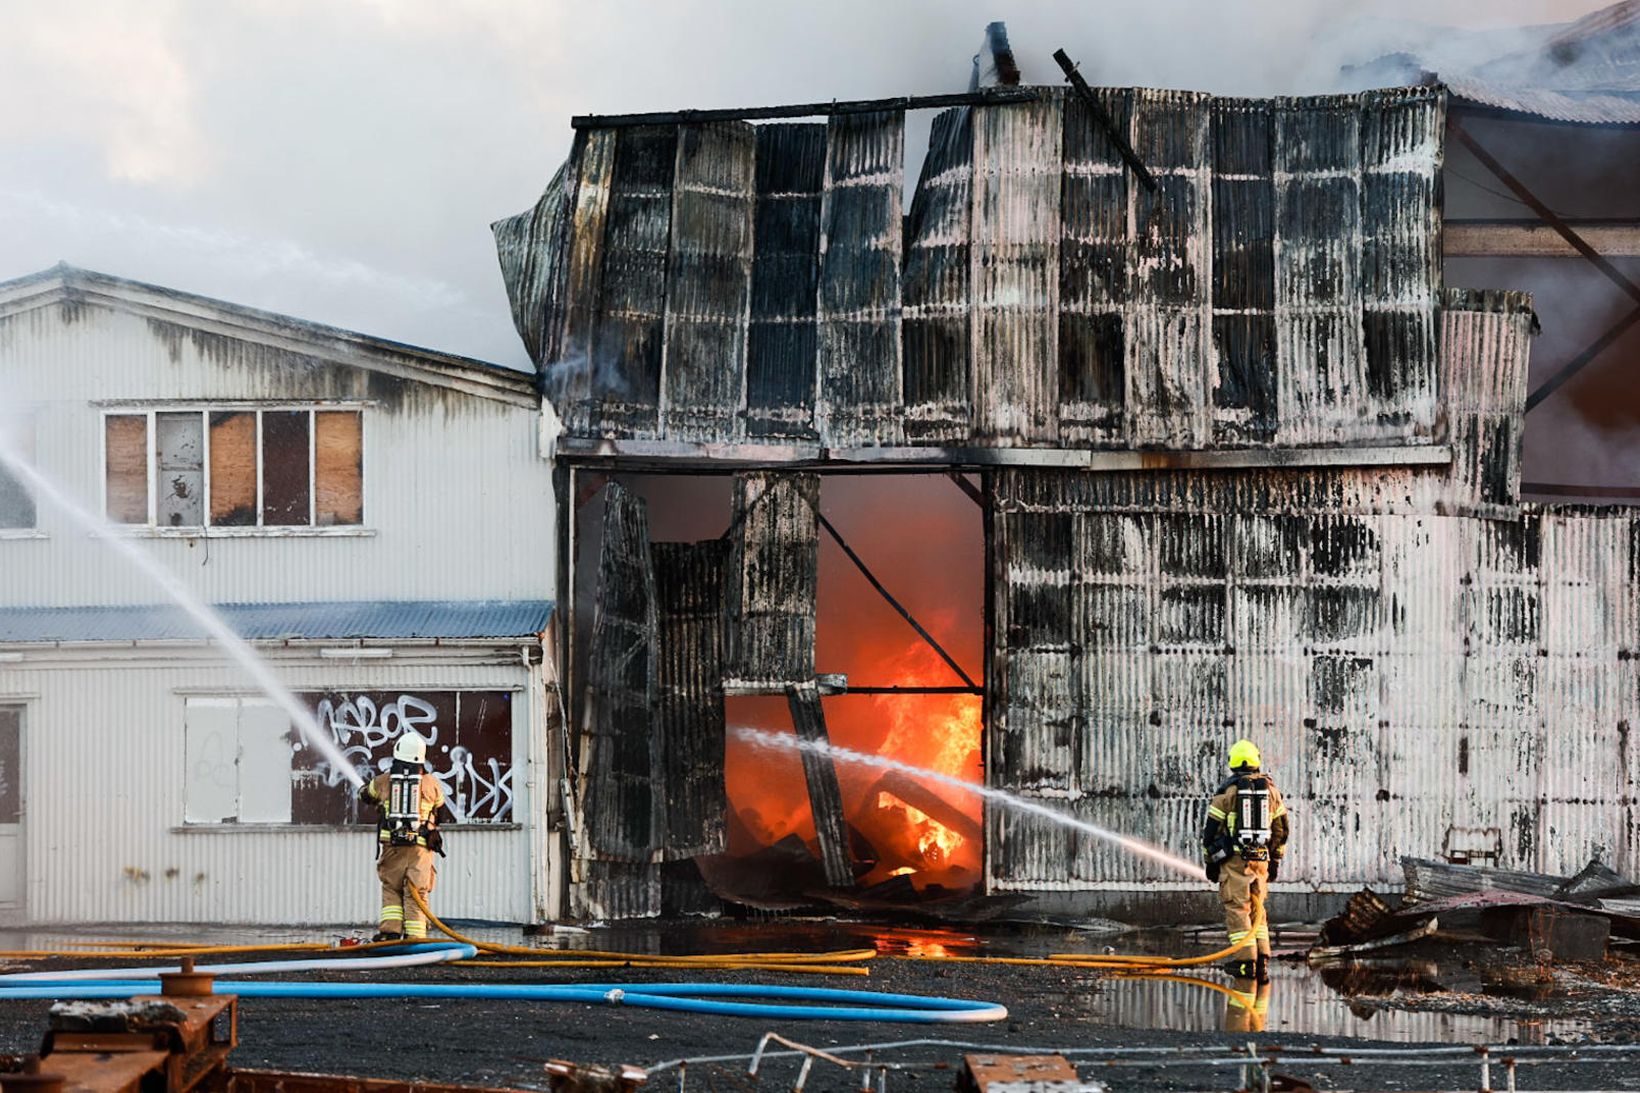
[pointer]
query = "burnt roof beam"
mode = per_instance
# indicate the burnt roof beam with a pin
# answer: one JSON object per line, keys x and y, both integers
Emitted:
{"x": 988, "y": 96}
{"x": 1106, "y": 122}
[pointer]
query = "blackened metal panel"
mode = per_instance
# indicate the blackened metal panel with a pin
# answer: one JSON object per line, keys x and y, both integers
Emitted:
{"x": 614, "y": 890}
{"x": 689, "y": 714}
{"x": 774, "y": 578}
{"x": 1321, "y": 373}
{"x": 781, "y": 351}
{"x": 820, "y": 774}
{"x": 623, "y": 798}
{"x": 1095, "y": 274}
{"x": 628, "y": 339}
{"x": 937, "y": 318}
{"x": 1402, "y": 135}
{"x": 708, "y": 284}
{"x": 1244, "y": 296}
{"x": 1168, "y": 383}
{"x": 859, "y": 309}
{"x": 566, "y": 379}
{"x": 532, "y": 250}
{"x": 1485, "y": 345}
{"x": 1015, "y": 270}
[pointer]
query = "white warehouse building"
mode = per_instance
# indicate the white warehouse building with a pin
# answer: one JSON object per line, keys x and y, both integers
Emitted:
{"x": 374, "y": 518}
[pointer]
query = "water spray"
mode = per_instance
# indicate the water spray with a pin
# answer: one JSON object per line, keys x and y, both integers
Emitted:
{"x": 236, "y": 647}
{"x": 786, "y": 741}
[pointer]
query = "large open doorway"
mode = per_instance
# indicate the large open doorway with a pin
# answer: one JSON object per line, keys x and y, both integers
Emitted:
{"x": 843, "y": 608}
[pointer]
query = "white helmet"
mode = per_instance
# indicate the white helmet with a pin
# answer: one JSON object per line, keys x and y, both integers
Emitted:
{"x": 410, "y": 748}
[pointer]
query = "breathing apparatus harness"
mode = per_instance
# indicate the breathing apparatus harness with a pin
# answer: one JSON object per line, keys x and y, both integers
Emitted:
{"x": 1246, "y": 830}
{"x": 401, "y": 823}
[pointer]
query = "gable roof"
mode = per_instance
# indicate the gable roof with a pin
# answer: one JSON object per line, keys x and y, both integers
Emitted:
{"x": 68, "y": 284}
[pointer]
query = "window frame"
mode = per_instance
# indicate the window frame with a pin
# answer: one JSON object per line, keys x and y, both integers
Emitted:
{"x": 29, "y": 416}
{"x": 204, "y": 408}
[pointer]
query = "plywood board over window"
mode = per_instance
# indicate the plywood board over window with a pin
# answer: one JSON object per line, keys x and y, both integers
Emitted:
{"x": 126, "y": 444}
{"x": 286, "y": 468}
{"x": 338, "y": 468}
{"x": 233, "y": 468}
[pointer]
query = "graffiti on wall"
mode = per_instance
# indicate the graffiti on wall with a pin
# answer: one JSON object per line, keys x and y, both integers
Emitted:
{"x": 469, "y": 751}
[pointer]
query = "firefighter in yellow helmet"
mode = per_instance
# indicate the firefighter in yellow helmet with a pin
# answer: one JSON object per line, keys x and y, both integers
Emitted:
{"x": 1242, "y": 845}
{"x": 412, "y": 804}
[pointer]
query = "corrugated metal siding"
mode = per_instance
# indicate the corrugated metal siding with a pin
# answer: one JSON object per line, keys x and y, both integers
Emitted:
{"x": 1048, "y": 301}
{"x": 689, "y": 712}
{"x": 1421, "y": 679}
{"x": 422, "y": 500}
{"x": 624, "y": 813}
{"x": 279, "y": 621}
{"x": 103, "y": 791}
{"x": 774, "y": 577}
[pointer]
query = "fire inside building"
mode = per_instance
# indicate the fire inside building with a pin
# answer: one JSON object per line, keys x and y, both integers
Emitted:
{"x": 1147, "y": 422}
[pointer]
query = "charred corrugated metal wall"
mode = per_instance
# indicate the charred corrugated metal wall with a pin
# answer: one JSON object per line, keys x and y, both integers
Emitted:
{"x": 721, "y": 281}
{"x": 1420, "y": 680}
{"x": 1429, "y": 666}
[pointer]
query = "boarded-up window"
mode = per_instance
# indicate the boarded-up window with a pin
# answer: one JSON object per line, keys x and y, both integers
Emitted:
{"x": 126, "y": 444}
{"x": 237, "y": 762}
{"x": 286, "y": 459}
{"x": 233, "y": 469}
{"x": 179, "y": 459}
{"x": 338, "y": 468}
{"x": 16, "y": 503}
{"x": 11, "y": 765}
{"x": 268, "y": 468}
{"x": 469, "y": 750}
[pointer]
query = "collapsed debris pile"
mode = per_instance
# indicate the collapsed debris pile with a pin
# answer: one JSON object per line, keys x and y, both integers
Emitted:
{"x": 1467, "y": 929}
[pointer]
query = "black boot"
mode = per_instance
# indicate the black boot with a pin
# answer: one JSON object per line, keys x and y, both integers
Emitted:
{"x": 1261, "y": 970}
{"x": 1241, "y": 969}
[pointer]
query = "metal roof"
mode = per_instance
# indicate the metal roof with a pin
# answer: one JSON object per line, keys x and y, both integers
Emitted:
{"x": 1585, "y": 108}
{"x": 282, "y": 621}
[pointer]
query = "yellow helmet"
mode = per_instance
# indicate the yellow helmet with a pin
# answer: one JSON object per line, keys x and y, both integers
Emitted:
{"x": 1243, "y": 753}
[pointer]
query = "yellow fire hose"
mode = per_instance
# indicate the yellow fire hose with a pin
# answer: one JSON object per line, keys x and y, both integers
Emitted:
{"x": 844, "y": 962}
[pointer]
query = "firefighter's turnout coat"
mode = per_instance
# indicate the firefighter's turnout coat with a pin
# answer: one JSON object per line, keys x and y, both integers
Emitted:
{"x": 403, "y": 865}
{"x": 1244, "y": 866}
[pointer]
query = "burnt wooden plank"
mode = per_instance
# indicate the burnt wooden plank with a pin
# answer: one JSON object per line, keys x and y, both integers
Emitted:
{"x": 628, "y": 338}
{"x": 774, "y": 577}
{"x": 689, "y": 712}
{"x": 708, "y": 284}
{"x": 1244, "y": 296}
{"x": 1015, "y": 264}
{"x": 782, "y": 340}
{"x": 1320, "y": 362}
{"x": 859, "y": 300}
{"x": 936, "y": 315}
{"x": 820, "y": 773}
{"x": 1095, "y": 266}
{"x": 1167, "y": 338}
{"x": 623, "y": 810}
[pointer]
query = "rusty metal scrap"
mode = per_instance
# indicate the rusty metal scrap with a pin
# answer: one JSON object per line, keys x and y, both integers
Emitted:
{"x": 1279, "y": 287}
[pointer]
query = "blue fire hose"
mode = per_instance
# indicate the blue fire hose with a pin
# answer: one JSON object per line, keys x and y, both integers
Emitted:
{"x": 722, "y": 999}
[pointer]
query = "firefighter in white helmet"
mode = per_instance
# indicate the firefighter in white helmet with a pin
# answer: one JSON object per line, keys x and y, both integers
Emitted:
{"x": 412, "y": 804}
{"x": 1242, "y": 845}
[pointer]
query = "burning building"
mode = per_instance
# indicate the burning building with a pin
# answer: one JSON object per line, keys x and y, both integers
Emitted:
{"x": 1163, "y": 429}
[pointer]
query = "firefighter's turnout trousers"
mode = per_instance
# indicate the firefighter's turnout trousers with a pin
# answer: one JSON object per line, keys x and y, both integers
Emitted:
{"x": 1243, "y": 886}
{"x": 402, "y": 868}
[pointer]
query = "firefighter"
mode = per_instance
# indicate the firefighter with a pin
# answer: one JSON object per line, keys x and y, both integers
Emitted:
{"x": 412, "y": 805}
{"x": 1242, "y": 844}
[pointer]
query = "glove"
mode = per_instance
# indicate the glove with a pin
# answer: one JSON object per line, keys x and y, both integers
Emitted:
{"x": 1275, "y": 868}
{"x": 1213, "y": 872}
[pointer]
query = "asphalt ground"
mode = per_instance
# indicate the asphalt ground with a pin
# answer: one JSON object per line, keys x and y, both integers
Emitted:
{"x": 496, "y": 1043}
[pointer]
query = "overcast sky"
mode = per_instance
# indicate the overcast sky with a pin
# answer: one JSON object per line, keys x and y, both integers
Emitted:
{"x": 341, "y": 160}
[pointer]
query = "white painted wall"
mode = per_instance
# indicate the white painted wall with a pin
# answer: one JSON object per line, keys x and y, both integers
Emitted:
{"x": 105, "y": 841}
